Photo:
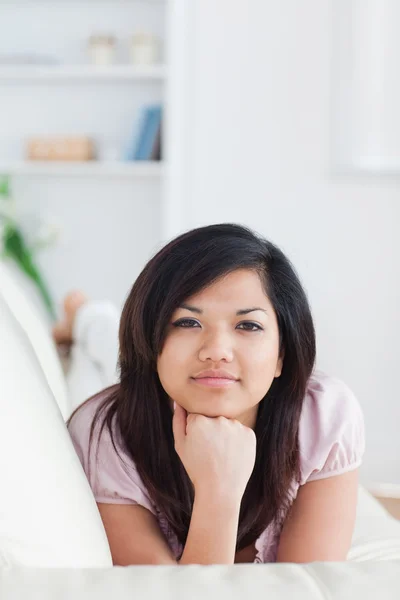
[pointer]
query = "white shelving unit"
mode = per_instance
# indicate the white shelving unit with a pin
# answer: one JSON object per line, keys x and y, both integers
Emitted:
{"x": 83, "y": 73}
{"x": 134, "y": 169}
{"x": 111, "y": 213}
{"x": 66, "y": 94}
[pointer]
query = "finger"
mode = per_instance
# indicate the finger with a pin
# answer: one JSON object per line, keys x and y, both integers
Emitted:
{"x": 179, "y": 423}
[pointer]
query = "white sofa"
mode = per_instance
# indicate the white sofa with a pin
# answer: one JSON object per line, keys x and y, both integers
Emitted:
{"x": 49, "y": 519}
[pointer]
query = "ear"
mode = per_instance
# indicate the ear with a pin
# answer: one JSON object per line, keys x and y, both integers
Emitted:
{"x": 279, "y": 366}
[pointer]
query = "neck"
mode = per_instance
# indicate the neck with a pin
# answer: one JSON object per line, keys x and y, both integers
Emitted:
{"x": 249, "y": 418}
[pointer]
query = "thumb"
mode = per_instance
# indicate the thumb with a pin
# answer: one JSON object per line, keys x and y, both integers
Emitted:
{"x": 179, "y": 423}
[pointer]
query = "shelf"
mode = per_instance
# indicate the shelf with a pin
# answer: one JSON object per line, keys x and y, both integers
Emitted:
{"x": 37, "y": 73}
{"x": 19, "y": 2}
{"x": 84, "y": 169}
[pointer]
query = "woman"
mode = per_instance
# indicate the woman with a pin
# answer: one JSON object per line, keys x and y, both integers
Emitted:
{"x": 220, "y": 443}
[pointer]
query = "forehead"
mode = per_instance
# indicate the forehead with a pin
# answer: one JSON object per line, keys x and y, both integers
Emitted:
{"x": 243, "y": 288}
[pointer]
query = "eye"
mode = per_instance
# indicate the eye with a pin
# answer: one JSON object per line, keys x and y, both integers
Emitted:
{"x": 186, "y": 323}
{"x": 249, "y": 326}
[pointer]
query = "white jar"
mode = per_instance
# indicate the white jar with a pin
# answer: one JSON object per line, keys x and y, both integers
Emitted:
{"x": 102, "y": 49}
{"x": 144, "y": 49}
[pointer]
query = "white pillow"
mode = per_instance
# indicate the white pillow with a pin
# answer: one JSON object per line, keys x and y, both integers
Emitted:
{"x": 24, "y": 304}
{"x": 48, "y": 515}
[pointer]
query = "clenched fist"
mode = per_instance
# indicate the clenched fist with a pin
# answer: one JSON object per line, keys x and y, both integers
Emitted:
{"x": 217, "y": 453}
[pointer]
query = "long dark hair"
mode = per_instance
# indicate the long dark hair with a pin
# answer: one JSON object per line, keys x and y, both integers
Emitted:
{"x": 141, "y": 406}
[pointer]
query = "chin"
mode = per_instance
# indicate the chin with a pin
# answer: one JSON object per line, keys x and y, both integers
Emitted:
{"x": 214, "y": 407}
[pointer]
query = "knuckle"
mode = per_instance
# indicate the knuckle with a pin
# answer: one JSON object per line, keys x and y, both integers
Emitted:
{"x": 201, "y": 420}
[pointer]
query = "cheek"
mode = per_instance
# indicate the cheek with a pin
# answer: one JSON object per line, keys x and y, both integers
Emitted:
{"x": 170, "y": 363}
{"x": 176, "y": 353}
{"x": 260, "y": 363}
{"x": 164, "y": 373}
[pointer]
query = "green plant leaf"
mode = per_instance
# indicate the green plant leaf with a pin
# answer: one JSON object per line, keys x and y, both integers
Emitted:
{"x": 15, "y": 248}
{"x": 5, "y": 187}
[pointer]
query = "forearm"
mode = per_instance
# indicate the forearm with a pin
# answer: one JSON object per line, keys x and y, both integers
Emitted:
{"x": 212, "y": 532}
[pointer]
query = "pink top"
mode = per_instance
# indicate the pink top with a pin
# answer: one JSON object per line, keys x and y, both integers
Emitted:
{"x": 331, "y": 440}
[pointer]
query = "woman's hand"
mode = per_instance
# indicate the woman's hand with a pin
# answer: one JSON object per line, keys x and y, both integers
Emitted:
{"x": 217, "y": 453}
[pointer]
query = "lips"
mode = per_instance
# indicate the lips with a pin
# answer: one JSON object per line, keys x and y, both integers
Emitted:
{"x": 216, "y": 374}
{"x": 215, "y": 378}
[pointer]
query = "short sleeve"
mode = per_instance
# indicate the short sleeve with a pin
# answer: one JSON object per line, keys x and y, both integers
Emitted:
{"x": 112, "y": 475}
{"x": 331, "y": 433}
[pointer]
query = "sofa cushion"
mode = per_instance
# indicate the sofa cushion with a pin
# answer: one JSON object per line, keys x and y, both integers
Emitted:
{"x": 315, "y": 581}
{"x": 376, "y": 534}
{"x": 48, "y": 515}
{"x": 22, "y": 301}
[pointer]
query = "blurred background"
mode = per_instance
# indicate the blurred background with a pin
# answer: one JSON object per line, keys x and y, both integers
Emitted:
{"x": 125, "y": 122}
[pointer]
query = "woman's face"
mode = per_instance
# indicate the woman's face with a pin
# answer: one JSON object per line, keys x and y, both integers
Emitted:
{"x": 221, "y": 352}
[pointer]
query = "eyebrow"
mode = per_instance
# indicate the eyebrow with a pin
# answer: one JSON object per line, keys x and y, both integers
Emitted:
{"x": 242, "y": 311}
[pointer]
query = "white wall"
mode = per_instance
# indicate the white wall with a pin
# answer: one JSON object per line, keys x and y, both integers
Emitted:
{"x": 259, "y": 147}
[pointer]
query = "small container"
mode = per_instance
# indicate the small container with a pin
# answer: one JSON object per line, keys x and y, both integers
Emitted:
{"x": 64, "y": 148}
{"x": 144, "y": 49}
{"x": 102, "y": 49}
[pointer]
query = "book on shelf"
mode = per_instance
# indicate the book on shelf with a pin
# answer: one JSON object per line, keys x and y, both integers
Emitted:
{"x": 157, "y": 148}
{"x": 147, "y": 142}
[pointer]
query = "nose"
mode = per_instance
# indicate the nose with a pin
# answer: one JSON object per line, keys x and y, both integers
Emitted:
{"x": 216, "y": 347}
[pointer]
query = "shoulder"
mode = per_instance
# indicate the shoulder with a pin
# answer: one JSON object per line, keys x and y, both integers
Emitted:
{"x": 83, "y": 420}
{"x": 111, "y": 472}
{"x": 331, "y": 431}
{"x": 80, "y": 424}
{"x": 91, "y": 437}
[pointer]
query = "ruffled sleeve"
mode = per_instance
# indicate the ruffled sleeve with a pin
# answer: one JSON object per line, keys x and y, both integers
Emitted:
{"x": 112, "y": 476}
{"x": 331, "y": 434}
